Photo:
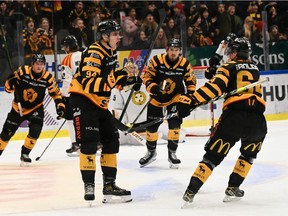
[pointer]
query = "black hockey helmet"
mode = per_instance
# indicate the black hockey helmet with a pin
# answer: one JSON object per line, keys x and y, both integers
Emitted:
{"x": 174, "y": 42}
{"x": 230, "y": 38}
{"x": 71, "y": 42}
{"x": 240, "y": 45}
{"x": 38, "y": 58}
{"x": 107, "y": 26}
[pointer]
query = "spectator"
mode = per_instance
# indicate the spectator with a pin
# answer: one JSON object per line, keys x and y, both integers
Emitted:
{"x": 31, "y": 40}
{"x": 78, "y": 12}
{"x": 219, "y": 17}
{"x": 82, "y": 33}
{"x": 206, "y": 24}
{"x": 5, "y": 17}
{"x": 230, "y": 22}
{"x": 149, "y": 25}
{"x": 161, "y": 40}
{"x": 46, "y": 45}
{"x": 99, "y": 8}
{"x": 249, "y": 31}
{"x": 190, "y": 37}
{"x": 22, "y": 8}
{"x": 178, "y": 15}
{"x": 254, "y": 12}
{"x": 132, "y": 15}
{"x": 170, "y": 29}
{"x": 275, "y": 35}
{"x": 190, "y": 14}
{"x": 200, "y": 39}
{"x": 129, "y": 31}
{"x": 141, "y": 41}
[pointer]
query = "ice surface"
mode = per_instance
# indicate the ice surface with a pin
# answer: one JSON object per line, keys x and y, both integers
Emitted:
{"x": 53, "y": 185}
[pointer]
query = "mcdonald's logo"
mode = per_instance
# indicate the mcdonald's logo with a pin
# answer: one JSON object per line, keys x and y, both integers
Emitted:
{"x": 255, "y": 146}
{"x": 221, "y": 146}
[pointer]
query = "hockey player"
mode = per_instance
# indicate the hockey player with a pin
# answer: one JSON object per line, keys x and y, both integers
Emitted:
{"x": 119, "y": 97}
{"x": 220, "y": 57}
{"x": 31, "y": 82}
{"x": 69, "y": 67}
{"x": 94, "y": 125}
{"x": 242, "y": 119}
{"x": 138, "y": 104}
{"x": 163, "y": 78}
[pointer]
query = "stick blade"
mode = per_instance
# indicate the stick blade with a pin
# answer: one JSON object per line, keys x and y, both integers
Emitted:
{"x": 38, "y": 158}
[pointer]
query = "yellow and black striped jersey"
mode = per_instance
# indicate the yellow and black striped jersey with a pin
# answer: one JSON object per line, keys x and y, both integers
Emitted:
{"x": 231, "y": 76}
{"x": 97, "y": 76}
{"x": 160, "y": 71}
{"x": 31, "y": 90}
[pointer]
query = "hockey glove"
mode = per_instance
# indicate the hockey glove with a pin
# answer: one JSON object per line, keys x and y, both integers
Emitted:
{"x": 60, "y": 109}
{"x": 135, "y": 81}
{"x": 185, "y": 105}
{"x": 11, "y": 82}
{"x": 210, "y": 72}
{"x": 155, "y": 90}
{"x": 215, "y": 60}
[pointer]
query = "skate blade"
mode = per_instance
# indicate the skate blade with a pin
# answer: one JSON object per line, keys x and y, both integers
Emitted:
{"x": 90, "y": 203}
{"x": 74, "y": 154}
{"x": 186, "y": 205}
{"x": 144, "y": 165}
{"x": 24, "y": 164}
{"x": 112, "y": 199}
{"x": 231, "y": 198}
{"x": 173, "y": 166}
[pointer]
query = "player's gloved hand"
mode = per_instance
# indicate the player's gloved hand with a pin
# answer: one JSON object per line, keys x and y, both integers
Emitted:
{"x": 155, "y": 90}
{"x": 60, "y": 109}
{"x": 12, "y": 81}
{"x": 210, "y": 72}
{"x": 135, "y": 81}
{"x": 186, "y": 103}
{"x": 159, "y": 95}
{"x": 215, "y": 60}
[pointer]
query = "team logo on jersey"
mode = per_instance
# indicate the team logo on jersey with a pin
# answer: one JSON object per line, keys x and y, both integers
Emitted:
{"x": 169, "y": 86}
{"x": 30, "y": 95}
{"x": 138, "y": 98}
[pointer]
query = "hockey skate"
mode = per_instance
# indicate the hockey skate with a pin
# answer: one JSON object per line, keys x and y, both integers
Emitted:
{"x": 74, "y": 151}
{"x": 148, "y": 158}
{"x": 173, "y": 160}
{"x": 89, "y": 195}
{"x": 188, "y": 198}
{"x": 114, "y": 194}
{"x": 25, "y": 160}
{"x": 233, "y": 194}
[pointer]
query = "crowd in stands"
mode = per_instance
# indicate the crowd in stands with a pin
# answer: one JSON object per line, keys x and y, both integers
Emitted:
{"x": 206, "y": 23}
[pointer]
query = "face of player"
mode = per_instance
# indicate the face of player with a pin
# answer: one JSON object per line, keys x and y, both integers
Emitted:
{"x": 38, "y": 67}
{"x": 173, "y": 53}
{"x": 113, "y": 39}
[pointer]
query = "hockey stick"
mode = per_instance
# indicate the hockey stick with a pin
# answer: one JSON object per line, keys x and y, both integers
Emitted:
{"x": 162, "y": 14}
{"x": 171, "y": 115}
{"x": 38, "y": 158}
{"x": 17, "y": 98}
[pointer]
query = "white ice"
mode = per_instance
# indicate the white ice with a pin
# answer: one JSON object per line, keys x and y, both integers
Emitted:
{"x": 53, "y": 185}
